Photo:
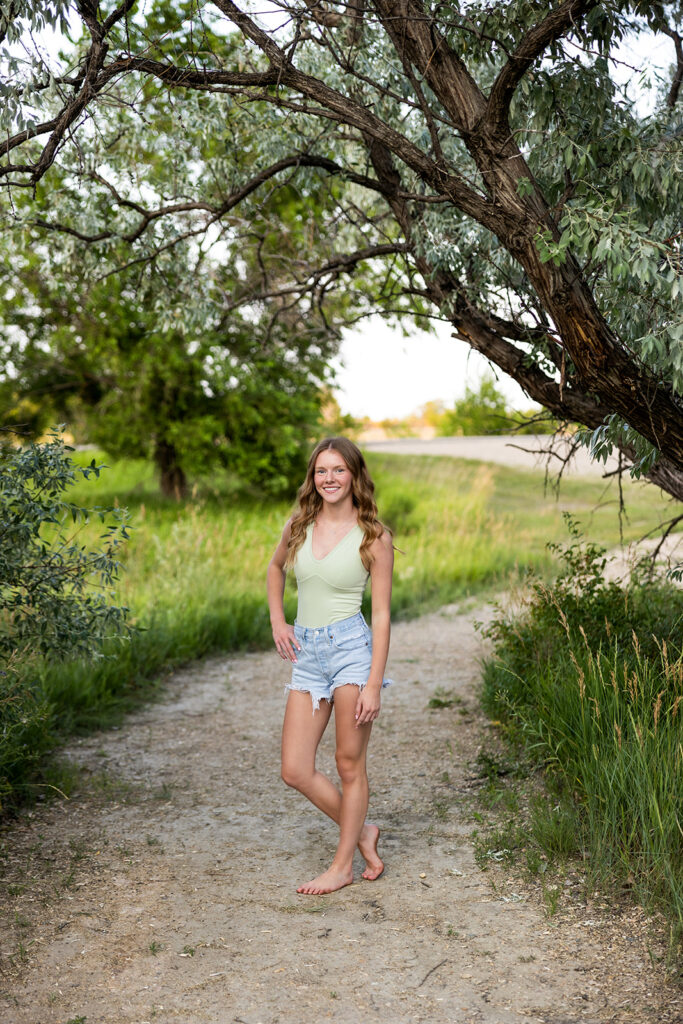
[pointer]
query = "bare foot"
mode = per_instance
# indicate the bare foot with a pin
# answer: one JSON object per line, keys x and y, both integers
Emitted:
{"x": 367, "y": 844}
{"x": 329, "y": 881}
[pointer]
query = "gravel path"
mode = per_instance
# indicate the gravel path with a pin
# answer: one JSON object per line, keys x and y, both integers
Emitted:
{"x": 165, "y": 890}
{"x": 507, "y": 449}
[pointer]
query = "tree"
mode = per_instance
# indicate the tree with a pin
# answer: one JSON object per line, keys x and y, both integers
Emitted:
{"x": 99, "y": 356}
{"x": 482, "y": 151}
{"x": 481, "y": 411}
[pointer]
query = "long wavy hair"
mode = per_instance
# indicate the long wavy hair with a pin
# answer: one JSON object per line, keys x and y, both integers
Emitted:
{"x": 362, "y": 493}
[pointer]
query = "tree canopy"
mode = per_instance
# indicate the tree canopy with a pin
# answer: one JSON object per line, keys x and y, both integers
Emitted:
{"x": 479, "y": 160}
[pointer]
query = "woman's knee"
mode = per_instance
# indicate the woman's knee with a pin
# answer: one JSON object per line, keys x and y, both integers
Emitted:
{"x": 295, "y": 776}
{"x": 350, "y": 766}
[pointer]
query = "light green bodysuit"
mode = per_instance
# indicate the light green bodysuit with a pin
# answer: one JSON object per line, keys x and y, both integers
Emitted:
{"x": 330, "y": 588}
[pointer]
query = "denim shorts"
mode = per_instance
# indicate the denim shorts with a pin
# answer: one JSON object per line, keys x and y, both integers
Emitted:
{"x": 332, "y": 656}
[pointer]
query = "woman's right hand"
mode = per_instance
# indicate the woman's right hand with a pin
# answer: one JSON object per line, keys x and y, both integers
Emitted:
{"x": 285, "y": 641}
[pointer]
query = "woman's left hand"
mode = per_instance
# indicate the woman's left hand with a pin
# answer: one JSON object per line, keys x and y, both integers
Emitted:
{"x": 367, "y": 706}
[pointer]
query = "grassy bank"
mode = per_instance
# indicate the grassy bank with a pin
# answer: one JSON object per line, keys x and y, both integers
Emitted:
{"x": 194, "y": 573}
{"x": 588, "y": 682}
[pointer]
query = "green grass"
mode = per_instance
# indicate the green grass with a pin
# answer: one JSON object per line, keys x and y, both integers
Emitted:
{"x": 589, "y": 683}
{"x": 194, "y": 573}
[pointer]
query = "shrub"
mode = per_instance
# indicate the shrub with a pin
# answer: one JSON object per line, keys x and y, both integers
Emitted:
{"x": 590, "y": 680}
{"x": 54, "y": 593}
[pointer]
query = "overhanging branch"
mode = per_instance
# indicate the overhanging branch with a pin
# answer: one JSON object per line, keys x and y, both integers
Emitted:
{"x": 553, "y": 27}
{"x": 215, "y": 211}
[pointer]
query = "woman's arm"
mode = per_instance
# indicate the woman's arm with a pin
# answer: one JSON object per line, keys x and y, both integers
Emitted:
{"x": 381, "y": 570}
{"x": 283, "y": 634}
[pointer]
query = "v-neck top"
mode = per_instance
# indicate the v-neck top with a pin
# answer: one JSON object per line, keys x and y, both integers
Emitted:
{"x": 330, "y": 588}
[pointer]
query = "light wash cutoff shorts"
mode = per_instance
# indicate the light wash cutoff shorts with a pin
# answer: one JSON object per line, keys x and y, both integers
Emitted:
{"x": 332, "y": 656}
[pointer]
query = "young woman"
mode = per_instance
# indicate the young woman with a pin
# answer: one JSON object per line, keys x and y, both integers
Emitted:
{"x": 334, "y": 541}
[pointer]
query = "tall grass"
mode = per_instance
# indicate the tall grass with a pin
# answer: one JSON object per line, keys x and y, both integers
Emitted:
{"x": 194, "y": 573}
{"x": 590, "y": 680}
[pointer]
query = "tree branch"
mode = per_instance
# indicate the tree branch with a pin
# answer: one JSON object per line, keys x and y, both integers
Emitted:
{"x": 535, "y": 42}
{"x": 361, "y": 118}
{"x": 678, "y": 73}
{"x": 216, "y": 212}
{"x": 340, "y": 264}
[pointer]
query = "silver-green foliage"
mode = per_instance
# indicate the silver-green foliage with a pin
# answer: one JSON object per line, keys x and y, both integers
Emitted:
{"x": 54, "y": 591}
{"x": 55, "y": 597}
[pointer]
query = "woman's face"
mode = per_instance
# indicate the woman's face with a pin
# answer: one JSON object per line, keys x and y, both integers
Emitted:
{"x": 332, "y": 477}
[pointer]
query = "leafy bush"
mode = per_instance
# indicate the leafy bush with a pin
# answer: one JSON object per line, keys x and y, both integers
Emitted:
{"x": 590, "y": 680}
{"x": 54, "y": 594}
{"x": 479, "y": 412}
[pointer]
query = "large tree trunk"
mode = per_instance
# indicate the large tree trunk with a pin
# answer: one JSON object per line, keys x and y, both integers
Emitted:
{"x": 171, "y": 474}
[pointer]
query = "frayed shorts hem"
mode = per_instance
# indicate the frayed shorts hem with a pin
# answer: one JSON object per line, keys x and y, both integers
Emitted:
{"x": 316, "y": 698}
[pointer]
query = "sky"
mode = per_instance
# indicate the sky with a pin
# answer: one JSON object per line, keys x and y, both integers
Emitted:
{"x": 384, "y": 375}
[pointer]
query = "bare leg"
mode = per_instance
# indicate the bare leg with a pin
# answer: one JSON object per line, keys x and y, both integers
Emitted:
{"x": 352, "y": 745}
{"x": 301, "y": 734}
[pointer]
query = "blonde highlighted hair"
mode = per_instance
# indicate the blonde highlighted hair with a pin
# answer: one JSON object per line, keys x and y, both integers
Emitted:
{"x": 362, "y": 493}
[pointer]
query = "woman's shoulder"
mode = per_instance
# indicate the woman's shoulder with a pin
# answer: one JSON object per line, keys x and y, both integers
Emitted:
{"x": 383, "y": 543}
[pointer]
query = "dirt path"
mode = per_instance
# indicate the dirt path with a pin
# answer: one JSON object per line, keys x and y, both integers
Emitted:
{"x": 165, "y": 892}
{"x": 506, "y": 449}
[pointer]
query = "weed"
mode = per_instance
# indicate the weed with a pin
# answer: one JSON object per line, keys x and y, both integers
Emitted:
{"x": 78, "y": 849}
{"x": 441, "y": 808}
{"x": 494, "y": 766}
{"x": 20, "y": 921}
{"x": 77, "y": 1020}
{"x": 496, "y": 795}
{"x": 443, "y": 698}
{"x": 22, "y": 951}
{"x": 498, "y": 845}
{"x": 163, "y": 792}
{"x": 536, "y": 863}
{"x": 155, "y": 947}
{"x": 153, "y": 841}
{"x": 551, "y": 898}
{"x": 189, "y": 950}
{"x": 114, "y": 788}
{"x": 555, "y": 828}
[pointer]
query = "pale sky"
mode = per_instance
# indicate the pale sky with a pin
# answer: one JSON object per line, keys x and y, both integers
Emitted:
{"x": 385, "y": 375}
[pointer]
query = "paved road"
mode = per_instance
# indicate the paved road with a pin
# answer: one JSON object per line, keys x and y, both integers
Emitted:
{"x": 506, "y": 449}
